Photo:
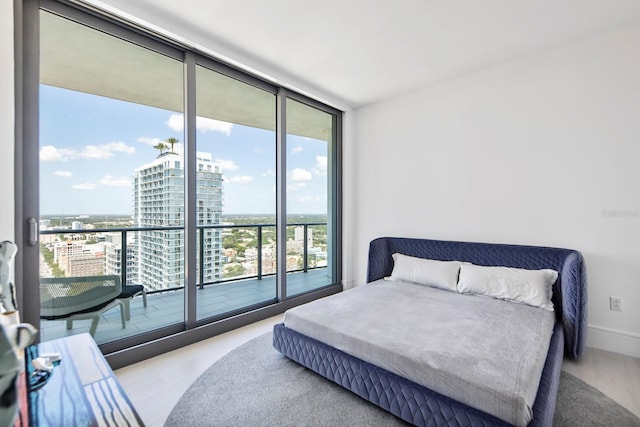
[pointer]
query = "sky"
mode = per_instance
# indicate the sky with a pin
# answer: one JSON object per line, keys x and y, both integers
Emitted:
{"x": 90, "y": 146}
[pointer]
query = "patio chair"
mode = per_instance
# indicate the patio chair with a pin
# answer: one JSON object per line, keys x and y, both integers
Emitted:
{"x": 79, "y": 298}
{"x": 128, "y": 292}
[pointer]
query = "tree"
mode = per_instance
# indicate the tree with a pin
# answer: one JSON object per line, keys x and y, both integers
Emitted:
{"x": 160, "y": 146}
{"x": 233, "y": 271}
{"x": 171, "y": 141}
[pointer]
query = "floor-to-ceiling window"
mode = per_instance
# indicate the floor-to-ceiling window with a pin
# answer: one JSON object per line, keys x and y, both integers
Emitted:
{"x": 215, "y": 191}
{"x": 311, "y": 196}
{"x": 111, "y": 177}
{"x": 236, "y": 144}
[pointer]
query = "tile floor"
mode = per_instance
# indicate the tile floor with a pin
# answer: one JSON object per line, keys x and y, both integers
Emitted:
{"x": 167, "y": 308}
{"x": 155, "y": 385}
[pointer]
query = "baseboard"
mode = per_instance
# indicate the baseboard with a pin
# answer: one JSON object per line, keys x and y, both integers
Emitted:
{"x": 623, "y": 342}
{"x": 348, "y": 284}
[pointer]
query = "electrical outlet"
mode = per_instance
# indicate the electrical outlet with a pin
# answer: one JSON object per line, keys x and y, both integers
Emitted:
{"x": 615, "y": 303}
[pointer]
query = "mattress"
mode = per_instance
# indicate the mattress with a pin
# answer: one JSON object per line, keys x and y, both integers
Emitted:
{"x": 485, "y": 353}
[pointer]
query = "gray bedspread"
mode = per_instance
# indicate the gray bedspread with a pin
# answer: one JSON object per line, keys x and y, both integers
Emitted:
{"x": 483, "y": 352}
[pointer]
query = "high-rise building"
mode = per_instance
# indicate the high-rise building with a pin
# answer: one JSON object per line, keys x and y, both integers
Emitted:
{"x": 158, "y": 201}
{"x": 299, "y": 235}
{"x": 113, "y": 256}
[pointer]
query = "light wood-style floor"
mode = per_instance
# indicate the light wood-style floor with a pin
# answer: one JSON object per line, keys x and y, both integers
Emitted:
{"x": 155, "y": 385}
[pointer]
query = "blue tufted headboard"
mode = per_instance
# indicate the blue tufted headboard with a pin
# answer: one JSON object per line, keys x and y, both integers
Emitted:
{"x": 569, "y": 292}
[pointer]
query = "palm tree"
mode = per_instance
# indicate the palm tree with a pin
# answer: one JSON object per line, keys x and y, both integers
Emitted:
{"x": 160, "y": 146}
{"x": 172, "y": 141}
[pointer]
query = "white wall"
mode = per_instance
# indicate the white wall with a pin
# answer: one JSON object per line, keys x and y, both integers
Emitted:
{"x": 544, "y": 150}
{"x": 6, "y": 120}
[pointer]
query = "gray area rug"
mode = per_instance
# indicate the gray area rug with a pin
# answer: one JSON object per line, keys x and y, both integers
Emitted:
{"x": 255, "y": 385}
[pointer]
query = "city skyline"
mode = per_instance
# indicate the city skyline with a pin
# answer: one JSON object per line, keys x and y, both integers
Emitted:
{"x": 90, "y": 146}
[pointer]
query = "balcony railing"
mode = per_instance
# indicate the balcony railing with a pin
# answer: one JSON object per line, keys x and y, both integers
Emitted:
{"x": 202, "y": 231}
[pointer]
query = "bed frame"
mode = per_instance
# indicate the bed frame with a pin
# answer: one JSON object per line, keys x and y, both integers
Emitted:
{"x": 417, "y": 404}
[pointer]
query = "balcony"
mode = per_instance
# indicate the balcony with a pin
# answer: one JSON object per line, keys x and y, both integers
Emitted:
{"x": 168, "y": 307}
{"x": 234, "y": 293}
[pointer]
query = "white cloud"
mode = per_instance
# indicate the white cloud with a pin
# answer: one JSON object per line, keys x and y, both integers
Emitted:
{"x": 300, "y": 175}
{"x": 85, "y": 186}
{"x": 297, "y": 149}
{"x": 105, "y": 151}
{"x": 150, "y": 141}
{"x": 269, "y": 172}
{"x": 50, "y": 153}
{"x": 304, "y": 199}
{"x": 226, "y": 165}
{"x": 115, "y": 182}
{"x": 239, "y": 179}
{"x": 176, "y": 122}
{"x": 203, "y": 124}
{"x": 296, "y": 186}
{"x": 118, "y": 147}
{"x": 64, "y": 174}
{"x": 321, "y": 165}
{"x": 298, "y": 179}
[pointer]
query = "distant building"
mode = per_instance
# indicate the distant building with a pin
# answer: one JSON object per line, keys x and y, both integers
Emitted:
{"x": 231, "y": 253}
{"x": 67, "y": 249}
{"x": 298, "y": 240}
{"x": 77, "y": 259}
{"x": 299, "y": 235}
{"x": 293, "y": 263}
{"x": 77, "y": 225}
{"x": 85, "y": 265}
{"x": 269, "y": 259}
{"x": 47, "y": 239}
{"x": 113, "y": 256}
{"x": 158, "y": 201}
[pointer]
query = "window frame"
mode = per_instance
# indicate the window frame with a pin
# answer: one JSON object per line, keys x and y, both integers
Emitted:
{"x": 120, "y": 353}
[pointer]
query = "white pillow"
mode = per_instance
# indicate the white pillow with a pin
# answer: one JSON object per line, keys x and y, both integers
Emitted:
{"x": 440, "y": 274}
{"x": 532, "y": 287}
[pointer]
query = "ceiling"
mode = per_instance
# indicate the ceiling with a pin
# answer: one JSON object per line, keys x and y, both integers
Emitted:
{"x": 83, "y": 59}
{"x": 362, "y": 51}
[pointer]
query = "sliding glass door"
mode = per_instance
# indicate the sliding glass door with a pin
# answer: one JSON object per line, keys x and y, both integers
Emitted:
{"x": 311, "y": 197}
{"x": 111, "y": 180}
{"x": 164, "y": 196}
{"x": 235, "y": 193}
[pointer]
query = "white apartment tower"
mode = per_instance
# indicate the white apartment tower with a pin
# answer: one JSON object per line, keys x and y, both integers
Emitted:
{"x": 299, "y": 235}
{"x": 158, "y": 201}
{"x": 113, "y": 256}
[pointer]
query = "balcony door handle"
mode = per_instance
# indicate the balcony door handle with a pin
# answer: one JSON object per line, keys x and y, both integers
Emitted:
{"x": 33, "y": 231}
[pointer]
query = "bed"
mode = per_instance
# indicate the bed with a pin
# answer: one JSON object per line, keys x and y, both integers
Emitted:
{"x": 378, "y": 370}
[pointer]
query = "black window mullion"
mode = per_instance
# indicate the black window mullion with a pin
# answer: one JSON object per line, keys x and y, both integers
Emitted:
{"x": 281, "y": 193}
{"x": 191, "y": 215}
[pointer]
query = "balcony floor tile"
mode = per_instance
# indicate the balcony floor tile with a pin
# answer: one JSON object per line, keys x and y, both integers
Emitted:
{"x": 167, "y": 308}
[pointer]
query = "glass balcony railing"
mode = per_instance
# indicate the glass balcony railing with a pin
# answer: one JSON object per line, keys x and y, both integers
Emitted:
{"x": 252, "y": 246}
{"x": 236, "y": 269}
